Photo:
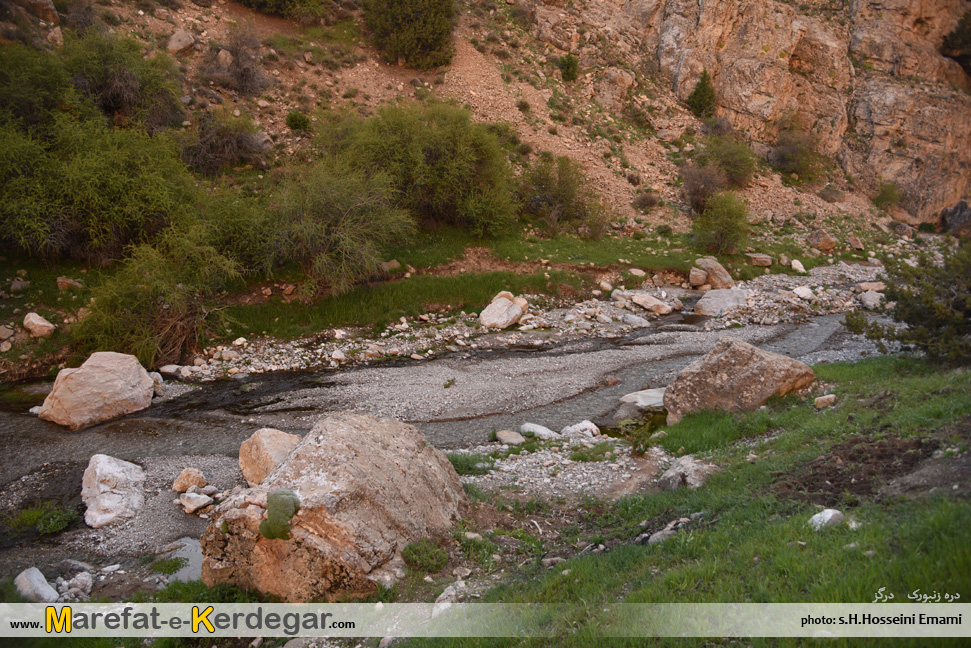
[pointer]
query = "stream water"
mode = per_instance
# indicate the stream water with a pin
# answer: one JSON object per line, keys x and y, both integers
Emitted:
{"x": 551, "y": 385}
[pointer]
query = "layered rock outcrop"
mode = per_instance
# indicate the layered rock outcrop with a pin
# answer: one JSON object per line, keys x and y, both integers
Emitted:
{"x": 866, "y": 77}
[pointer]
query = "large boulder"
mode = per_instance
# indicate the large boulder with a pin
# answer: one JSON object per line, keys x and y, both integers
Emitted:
{"x": 716, "y": 302}
{"x": 734, "y": 377}
{"x": 718, "y": 277}
{"x": 503, "y": 312}
{"x": 106, "y": 386}
{"x": 260, "y": 454}
{"x": 957, "y": 219}
{"x": 363, "y": 488}
{"x": 112, "y": 490}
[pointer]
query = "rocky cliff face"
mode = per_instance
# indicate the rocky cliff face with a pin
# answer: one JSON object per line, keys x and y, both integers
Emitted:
{"x": 866, "y": 76}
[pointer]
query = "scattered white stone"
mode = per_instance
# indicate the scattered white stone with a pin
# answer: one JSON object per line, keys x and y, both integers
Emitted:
{"x": 538, "y": 431}
{"x": 798, "y": 266}
{"x": 32, "y": 585}
{"x": 193, "y": 502}
{"x": 82, "y": 581}
{"x": 502, "y": 313}
{"x": 37, "y": 326}
{"x": 508, "y": 437}
{"x": 825, "y": 518}
{"x": 581, "y": 429}
{"x": 871, "y": 299}
{"x": 648, "y": 399}
{"x": 685, "y": 472}
{"x": 804, "y": 292}
{"x": 825, "y": 401}
{"x": 158, "y": 383}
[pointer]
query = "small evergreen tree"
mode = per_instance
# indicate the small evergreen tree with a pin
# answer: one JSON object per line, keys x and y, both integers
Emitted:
{"x": 418, "y": 31}
{"x": 569, "y": 67}
{"x": 702, "y": 99}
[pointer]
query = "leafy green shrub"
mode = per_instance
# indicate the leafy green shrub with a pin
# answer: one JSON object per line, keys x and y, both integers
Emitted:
{"x": 723, "y": 227}
{"x": 113, "y": 72}
{"x": 304, "y": 11}
{"x": 425, "y": 555}
{"x": 700, "y": 183}
{"x": 569, "y": 67}
{"x": 219, "y": 141}
{"x": 702, "y": 100}
{"x": 241, "y": 229}
{"x": 281, "y": 505}
{"x": 418, "y": 31}
{"x": 298, "y": 121}
{"x": 470, "y": 464}
{"x": 32, "y": 86}
{"x": 557, "y": 193}
{"x": 927, "y": 228}
{"x": 932, "y": 301}
{"x": 87, "y": 191}
{"x": 734, "y": 157}
{"x": 665, "y": 230}
{"x": 445, "y": 168}
{"x": 888, "y": 195}
{"x": 157, "y": 303}
{"x": 336, "y": 222}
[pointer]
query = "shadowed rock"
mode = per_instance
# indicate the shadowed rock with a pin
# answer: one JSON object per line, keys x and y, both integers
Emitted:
{"x": 734, "y": 377}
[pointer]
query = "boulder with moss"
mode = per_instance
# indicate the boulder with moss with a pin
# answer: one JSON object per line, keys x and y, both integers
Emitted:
{"x": 334, "y": 517}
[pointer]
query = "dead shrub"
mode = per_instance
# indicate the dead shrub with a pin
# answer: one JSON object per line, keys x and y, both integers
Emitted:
{"x": 701, "y": 183}
{"x": 221, "y": 141}
{"x": 244, "y": 74}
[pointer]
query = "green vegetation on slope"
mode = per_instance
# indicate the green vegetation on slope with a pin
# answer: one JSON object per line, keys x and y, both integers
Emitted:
{"x": 753, "y": 543}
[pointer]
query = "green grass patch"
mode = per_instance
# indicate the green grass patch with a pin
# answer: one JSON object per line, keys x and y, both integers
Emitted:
{"x": 436, "y": 247}
{"x": 470, "y": 464}
{"x": 382, "y": 303}
{"x": 598, "y": 452}
{"x": 425, "y": 555}
{"x": 46, "y": 518}
{"x": 169, "y": 566}
{"x": 606, "y": 251}
{"x": 753, "y": 544}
